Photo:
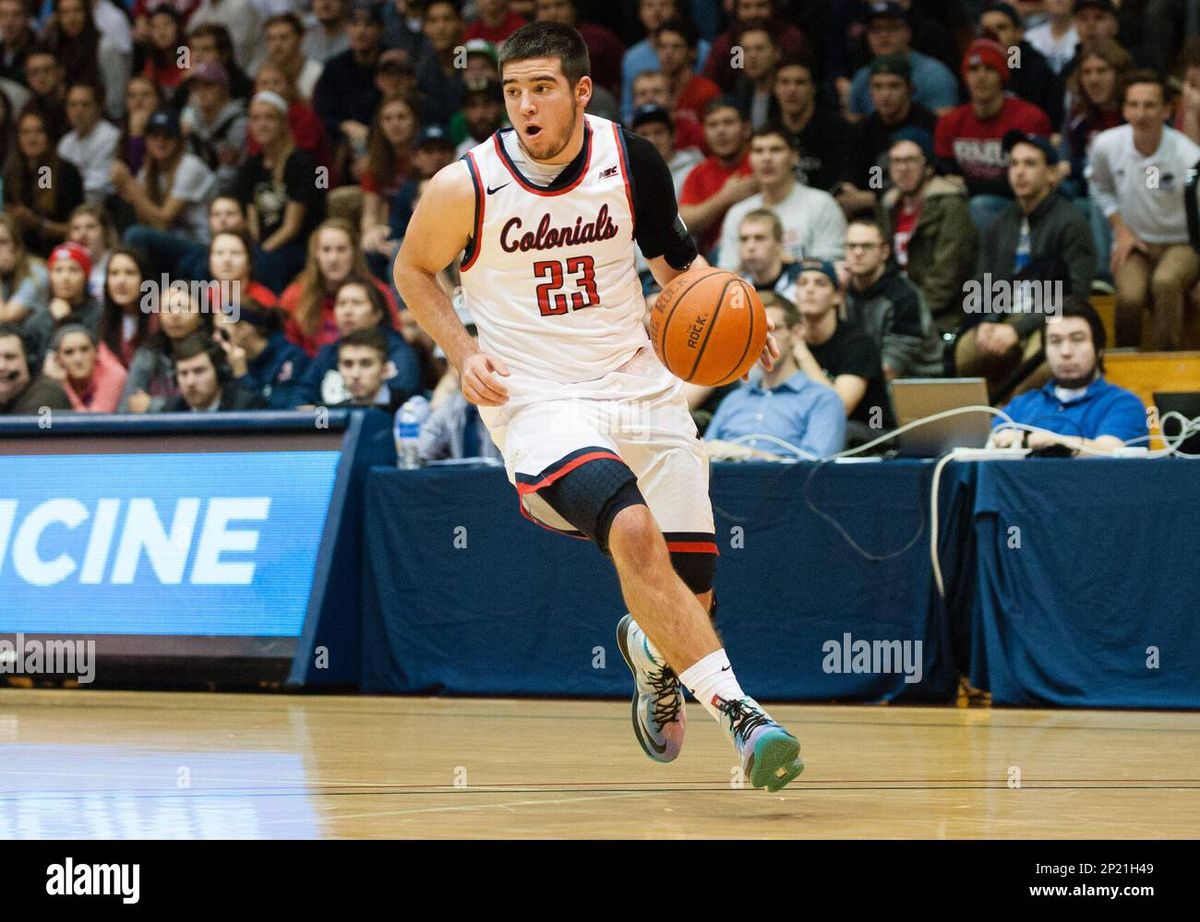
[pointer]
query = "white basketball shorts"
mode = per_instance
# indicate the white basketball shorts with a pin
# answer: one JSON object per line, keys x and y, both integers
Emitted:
{"x": 636, "y": 414}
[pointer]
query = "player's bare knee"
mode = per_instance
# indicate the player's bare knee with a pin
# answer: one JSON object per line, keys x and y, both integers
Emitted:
{"x": 636, "y": 540}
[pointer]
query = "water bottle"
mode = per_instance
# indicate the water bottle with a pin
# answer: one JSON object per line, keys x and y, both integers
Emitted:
{"x": 406, "y": 430}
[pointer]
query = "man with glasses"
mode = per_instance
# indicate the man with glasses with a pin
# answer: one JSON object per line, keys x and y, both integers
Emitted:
{"x": 888, "y": 307}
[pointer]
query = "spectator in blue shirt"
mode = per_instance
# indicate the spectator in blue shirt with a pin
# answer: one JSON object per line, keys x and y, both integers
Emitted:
{"x": 1077, "y": 405}
{"x": 261, "y": 358}
{"x": 785, "y": 403}
{"x": 888, "y": 32}
{"x": 360, "y": 306}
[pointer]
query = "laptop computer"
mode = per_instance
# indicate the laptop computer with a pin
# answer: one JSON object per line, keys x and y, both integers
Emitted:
{"x": 1188, "y": 404}
{"x": 916, "y": 398}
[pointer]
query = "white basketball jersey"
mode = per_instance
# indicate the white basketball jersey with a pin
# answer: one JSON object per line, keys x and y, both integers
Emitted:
{"x": 549, "y": 276}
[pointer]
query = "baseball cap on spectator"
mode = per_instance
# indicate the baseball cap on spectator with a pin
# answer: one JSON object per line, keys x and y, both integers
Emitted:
{"x": 918, "y": 136}
{"x": 989, "y": 53}
{"x": 1006, "y": 8}
{"x": 824, "y": 266}
{"x": 882, "y": 10}
{"x": 164, "y": 121}
{"x": 895, "y": 64}
{"x": 211, "y": 72}
{"x": 484, "y": 47}
{"x": 487, "y": 86}
{"x": 395, "y": 59}
{"x": 1106, "y": 6}
{"x": 76, "y": 252}
{"x": 433, "y": 136}
{"x": 651, "y": 112}
{"x": 1016, "y": 136}
{"x": 373, "y": 9}
{"x": 267, "y": 319}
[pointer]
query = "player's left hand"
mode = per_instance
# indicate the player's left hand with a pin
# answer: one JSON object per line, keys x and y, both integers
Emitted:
{"x": 770, "y": 351}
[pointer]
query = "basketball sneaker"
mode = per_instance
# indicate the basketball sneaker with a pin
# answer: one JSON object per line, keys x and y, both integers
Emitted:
{"x": 770, "y": 755}
{"x": 658, "y": 712}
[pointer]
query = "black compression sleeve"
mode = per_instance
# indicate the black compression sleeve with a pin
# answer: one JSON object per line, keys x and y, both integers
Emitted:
{"x": 658, "y": 228}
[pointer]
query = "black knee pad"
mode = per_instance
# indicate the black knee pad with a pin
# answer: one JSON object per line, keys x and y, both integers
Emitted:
{"x": 695, "y": 569}
{"x": 590, "y": 497}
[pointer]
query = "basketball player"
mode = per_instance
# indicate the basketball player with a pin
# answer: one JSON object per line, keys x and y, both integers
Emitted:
{"x": 594, "y": 430}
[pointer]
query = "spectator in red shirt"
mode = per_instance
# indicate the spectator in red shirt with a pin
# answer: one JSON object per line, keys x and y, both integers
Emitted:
{"x": 650, "y": 89}
{"x": 968, "y": 137}
{"x": 789, "y": 39}
{"x": 333, "y": 256}
{"x": 496, "y": 21}
{"x": 91, "y": 375}
{"x": 676, "y": 41}
{"x": 723, "y": 179}
{"x": 604, "y": 48}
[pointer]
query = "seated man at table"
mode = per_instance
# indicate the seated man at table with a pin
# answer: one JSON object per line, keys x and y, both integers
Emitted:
{"x": 1083, "y": 412}
{"x": 784, "y": 404}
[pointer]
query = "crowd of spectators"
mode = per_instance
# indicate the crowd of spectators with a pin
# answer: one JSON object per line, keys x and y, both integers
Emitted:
{"x": 202, "y": 199}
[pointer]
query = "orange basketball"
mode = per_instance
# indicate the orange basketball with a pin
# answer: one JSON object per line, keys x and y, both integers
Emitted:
{"x": 708, "y": 327}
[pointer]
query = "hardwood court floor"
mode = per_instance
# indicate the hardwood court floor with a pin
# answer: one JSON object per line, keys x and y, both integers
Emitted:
{"x": 83, "y": 764}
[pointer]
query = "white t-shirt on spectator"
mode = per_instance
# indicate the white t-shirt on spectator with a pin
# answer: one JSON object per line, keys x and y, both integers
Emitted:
{"x": 93, "y": 156}
{"x": 1119, "y": 179}
{"x": 194, "y": 183}
{"x": 814, "y": 226}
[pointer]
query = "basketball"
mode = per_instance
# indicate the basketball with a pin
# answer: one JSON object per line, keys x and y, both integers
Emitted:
{"x": 708, "y": 327}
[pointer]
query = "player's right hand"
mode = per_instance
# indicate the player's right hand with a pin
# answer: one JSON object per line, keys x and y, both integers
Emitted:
{"x": 479, "y": 382}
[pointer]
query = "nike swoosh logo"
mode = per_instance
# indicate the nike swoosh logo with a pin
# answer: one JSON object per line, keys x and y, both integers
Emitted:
{"x": 726, "y": 668}
{"x": 492, "y": 191}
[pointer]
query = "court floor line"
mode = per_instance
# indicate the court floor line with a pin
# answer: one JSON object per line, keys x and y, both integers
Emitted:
{"x": 725, "y": 788}
{"x": 800, "y": 721}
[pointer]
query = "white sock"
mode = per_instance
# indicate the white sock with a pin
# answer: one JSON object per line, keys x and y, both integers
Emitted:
{"x": 712, "y": 677}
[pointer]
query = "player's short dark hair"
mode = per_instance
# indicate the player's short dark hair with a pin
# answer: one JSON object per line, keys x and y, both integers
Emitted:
{"x": 549, "y": 40}
{"x": 370, "y": 338}
{"x": 1147, "y": 75}
{"x": 682, "y": 27}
